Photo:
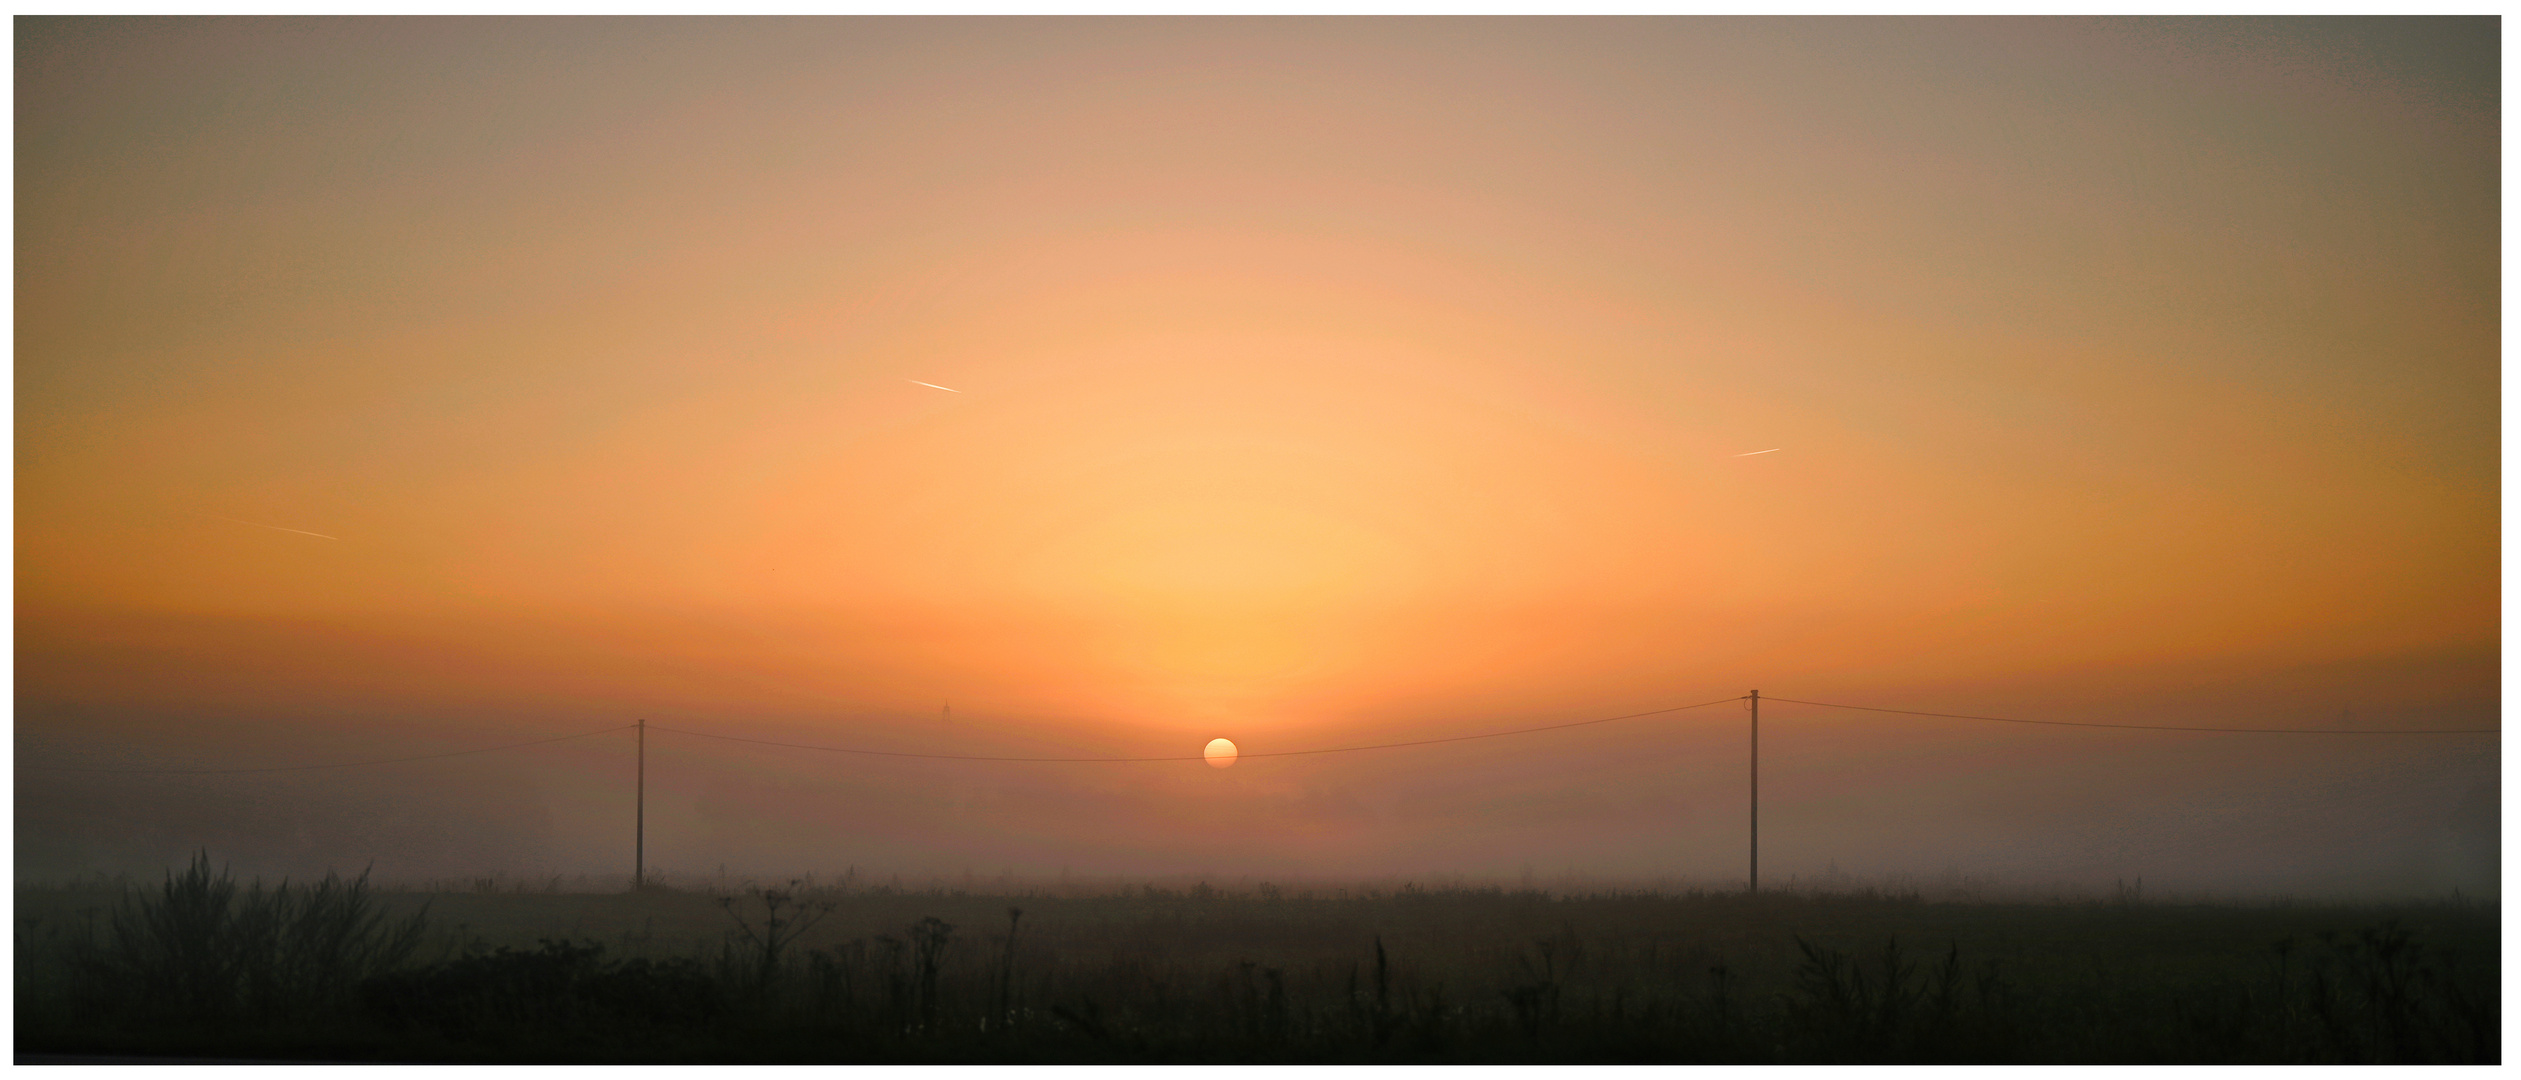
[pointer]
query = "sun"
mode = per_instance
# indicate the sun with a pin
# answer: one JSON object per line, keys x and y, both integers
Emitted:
{"x": 1221, "y": 753}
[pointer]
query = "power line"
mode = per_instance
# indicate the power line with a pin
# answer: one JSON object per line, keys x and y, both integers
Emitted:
{"x": 1497, "y": 734}
{"x": 332, "y": 765}
{"x": 1193, "y": 757}
{"x": 1264, "y": 754}
{"x": 2157, "y": 727}
{"x": 903, "y": 754}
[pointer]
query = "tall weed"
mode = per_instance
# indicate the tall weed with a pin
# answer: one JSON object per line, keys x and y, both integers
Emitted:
{"x": 200, "y": 948}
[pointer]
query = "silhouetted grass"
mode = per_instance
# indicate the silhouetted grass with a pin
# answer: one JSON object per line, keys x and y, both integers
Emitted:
{"x": 202, "y": 948}
{"x": 807, "y": 974}
{"x": 559, "y": 1000}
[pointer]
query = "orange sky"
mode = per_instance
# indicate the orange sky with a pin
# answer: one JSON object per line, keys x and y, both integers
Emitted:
{"x": 1320, "y": 382}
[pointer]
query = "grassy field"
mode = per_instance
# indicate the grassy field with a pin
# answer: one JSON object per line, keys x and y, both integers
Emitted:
{"x": 202, "y": 966}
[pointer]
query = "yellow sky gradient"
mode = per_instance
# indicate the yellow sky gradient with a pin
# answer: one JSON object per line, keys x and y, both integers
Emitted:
{"x": 1318, "y": 380}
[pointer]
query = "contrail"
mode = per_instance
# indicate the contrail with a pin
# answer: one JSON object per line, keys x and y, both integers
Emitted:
{"x": 1770, "y": 450}
{"x": 933, "y": 386}
{"x": 282, "y": 528}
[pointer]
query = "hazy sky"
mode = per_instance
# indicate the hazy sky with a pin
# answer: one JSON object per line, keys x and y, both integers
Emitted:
{"x": 387, "y": 386}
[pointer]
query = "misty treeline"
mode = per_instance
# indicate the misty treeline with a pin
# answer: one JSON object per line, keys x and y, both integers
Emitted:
{"x": 201, "y": 965}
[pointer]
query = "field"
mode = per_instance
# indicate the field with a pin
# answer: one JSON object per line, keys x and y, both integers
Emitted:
{"x": 199, "y": 965}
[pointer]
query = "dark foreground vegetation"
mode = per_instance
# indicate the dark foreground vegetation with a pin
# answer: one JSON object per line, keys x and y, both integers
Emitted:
{"x": 200, "y": 965}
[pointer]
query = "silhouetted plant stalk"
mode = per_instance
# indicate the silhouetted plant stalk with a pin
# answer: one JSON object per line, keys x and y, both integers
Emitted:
{"x": 929, "y": 937}
{"x": 1005, "y": 1013}
{"x": 784, "y": 918}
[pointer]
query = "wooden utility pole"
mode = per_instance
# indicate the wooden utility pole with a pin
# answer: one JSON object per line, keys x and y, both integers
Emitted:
{"x": 639, "y": 848}
{"x": 1754, "y": 791}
